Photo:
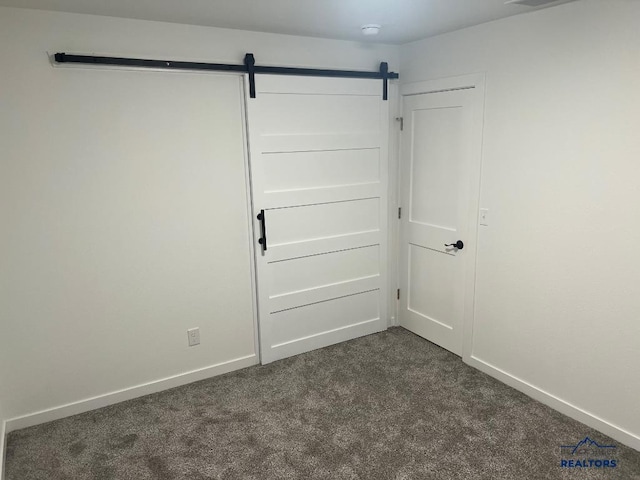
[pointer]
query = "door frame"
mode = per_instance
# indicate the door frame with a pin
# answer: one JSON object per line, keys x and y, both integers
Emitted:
{"x": 475, "y": 82}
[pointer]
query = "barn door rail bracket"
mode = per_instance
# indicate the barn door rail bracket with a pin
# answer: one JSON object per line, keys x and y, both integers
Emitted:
{"x": 249, "y": 67}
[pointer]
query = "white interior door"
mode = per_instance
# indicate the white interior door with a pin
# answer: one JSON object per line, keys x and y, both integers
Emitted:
{"x": 440, "y": 174}
{"x": 318, "y": 152}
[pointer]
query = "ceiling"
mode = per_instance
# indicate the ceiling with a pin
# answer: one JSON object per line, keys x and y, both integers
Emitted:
{"x": 402, "y": 20}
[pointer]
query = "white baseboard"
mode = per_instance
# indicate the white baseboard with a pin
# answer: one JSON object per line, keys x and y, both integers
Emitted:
{"x": 100, "y": 401}
{"x": 3, "y": 442}
{"x": 3, "y": 433}
{"x": 613, "y": 431}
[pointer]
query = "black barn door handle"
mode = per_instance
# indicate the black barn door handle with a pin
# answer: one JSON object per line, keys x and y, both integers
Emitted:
{"x": 263, "y": 231}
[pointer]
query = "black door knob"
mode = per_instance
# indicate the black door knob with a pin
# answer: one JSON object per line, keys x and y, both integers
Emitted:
{"x": 459, "y": 245}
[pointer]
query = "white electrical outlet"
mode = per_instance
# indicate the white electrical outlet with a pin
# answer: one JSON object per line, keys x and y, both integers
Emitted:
{"x": 484, "y": 216}
{"x": 194, "y": 336}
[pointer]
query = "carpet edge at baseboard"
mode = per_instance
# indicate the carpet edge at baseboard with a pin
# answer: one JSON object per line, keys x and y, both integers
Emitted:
{"x": 560, "y": 405}
{"x": 136, "y": 391}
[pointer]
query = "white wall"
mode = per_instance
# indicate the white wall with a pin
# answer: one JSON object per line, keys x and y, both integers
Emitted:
{"x": 557, "y": 298}
{"x": 124, "y": 207}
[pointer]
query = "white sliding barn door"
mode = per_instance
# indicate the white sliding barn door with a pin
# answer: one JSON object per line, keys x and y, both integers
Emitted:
{"x": 440, "y": 168}
{"x": 318, "y": 152}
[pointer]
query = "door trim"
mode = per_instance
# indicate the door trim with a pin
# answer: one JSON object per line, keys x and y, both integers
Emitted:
{"x": 477, "y": 83}
{"x": 474, "y": 80}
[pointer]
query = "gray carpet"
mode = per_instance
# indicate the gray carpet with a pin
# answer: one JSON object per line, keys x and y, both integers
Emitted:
{"x": 389, "y": 406}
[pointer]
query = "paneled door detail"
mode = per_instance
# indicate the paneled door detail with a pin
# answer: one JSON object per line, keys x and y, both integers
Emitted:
{"x": 438, "y": 171}
{"x": 318, "y": 156}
